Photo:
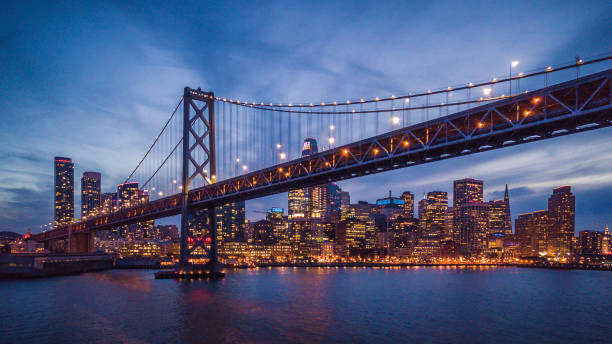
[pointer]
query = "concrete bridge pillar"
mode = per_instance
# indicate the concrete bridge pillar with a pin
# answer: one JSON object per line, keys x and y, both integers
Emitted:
{"x": 80, "y": 243}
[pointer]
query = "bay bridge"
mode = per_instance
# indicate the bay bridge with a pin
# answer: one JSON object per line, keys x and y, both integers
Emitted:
{"x": 221, "y": 150}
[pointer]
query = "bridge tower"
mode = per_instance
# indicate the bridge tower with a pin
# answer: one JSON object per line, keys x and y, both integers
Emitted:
{"x": 198, "y": 230}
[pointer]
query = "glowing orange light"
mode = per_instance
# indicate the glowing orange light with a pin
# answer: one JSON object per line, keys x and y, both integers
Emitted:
{"x": 375, "y": 150}
{"x": 280, "y": 169}
{"x": 345, "y": 151}
{"x": 527, "y": 113}
{"x": 536, "y": 100}
{"x": 406, "y": 143}
{"x": 480, "y": 125}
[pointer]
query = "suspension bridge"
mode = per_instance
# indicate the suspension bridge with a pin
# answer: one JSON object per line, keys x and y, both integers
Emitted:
{"x": 221, "y": 150}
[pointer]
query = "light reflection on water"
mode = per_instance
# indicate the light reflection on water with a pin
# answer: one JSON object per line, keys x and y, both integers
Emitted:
{"x": 305, "y": 305}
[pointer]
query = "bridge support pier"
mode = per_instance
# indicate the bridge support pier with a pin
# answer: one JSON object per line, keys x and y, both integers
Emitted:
{"x": 80, "y": 242}
{"x": 199, "y": 256}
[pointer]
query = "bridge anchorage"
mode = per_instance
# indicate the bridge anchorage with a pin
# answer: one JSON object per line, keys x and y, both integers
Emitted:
{"x": 198, "y": 251}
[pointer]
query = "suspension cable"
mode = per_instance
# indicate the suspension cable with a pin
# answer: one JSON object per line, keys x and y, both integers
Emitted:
{"x": 155, "y": 141}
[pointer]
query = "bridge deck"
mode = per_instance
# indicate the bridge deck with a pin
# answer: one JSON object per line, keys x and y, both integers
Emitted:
{"x": 578, "y": 105}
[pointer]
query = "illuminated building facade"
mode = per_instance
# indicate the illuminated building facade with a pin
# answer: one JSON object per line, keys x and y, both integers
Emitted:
{"x": 590, "y": 242}
{"x": 448, "y": 223}
{"x": 473, "y": 227}
{"x": 465, "y": 191}
{"x": 499, "y": 216}
{"x": 532, "y": 233}
{"x": 351, "y": 233}
{"x": 561, "y": 221}
{"x": 280, "y": 225}
{"x": 128, "y": 195}
{"x": 263, "y": 232}
{"x": 64, "y": 191}
{"x": 408, "y": 205}
{"x": 91, "y": 197}
{"x": 391, "y": 207}
{"x": 231, "y": 222}
{"x": 435, "y": 211}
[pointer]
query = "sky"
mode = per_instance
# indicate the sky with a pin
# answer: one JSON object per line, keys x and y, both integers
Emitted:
{"x": 95, "y": 81}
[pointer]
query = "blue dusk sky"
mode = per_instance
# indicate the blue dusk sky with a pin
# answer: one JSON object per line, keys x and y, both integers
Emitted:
{"x": 95, "y": 80}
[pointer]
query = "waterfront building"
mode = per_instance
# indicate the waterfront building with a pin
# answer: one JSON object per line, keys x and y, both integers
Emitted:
{"x": 465, "y": 191}
{"x": 561, "y": 221}
{"x": 473, "y": 227}
{"x": 408, "y": 205}
{"x": 263, "y": 232}
{"x": 280, "y": 226}
{"x": 231, "y": 222}
{"x": 606, "y": 242}
{"x": 64, "y": 191}
{"x": 427, "y": 247}
{"x": 590, "y": 242}
{"x": 351, "y": 233}
{"x": 91, "y": 197}
{"x": 532, "y": 233}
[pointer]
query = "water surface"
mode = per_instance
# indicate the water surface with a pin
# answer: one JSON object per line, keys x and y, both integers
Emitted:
{"x": 313, "y": 305}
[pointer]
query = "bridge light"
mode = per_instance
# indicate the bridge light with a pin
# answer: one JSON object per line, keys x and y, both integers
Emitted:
{"x": 549, "y": 68}
{"x": 375, "y": 150}
{"x": 283, "y": 155}
{"x": 480, "y": 124}
{"x": 526, "y": 113}
{"x": 395, "y": 120}
{"x": 174, "y": 181}
{"x": 237, "y": 159}
{"x": 160, "y": 193}
{"x": 406, "y": 143}
{"x": 245, "y": 167}
{"x": 407, "y": 100}
{"x": 514, "y": 63}
{"x": 536, "y": 100}
{"x": 345, "y": 151}
{"x": 486, "y": 91}
{"x": 278, "y": 146}
{"x": 280, "y": 169}
{"x": 331, "y": 140}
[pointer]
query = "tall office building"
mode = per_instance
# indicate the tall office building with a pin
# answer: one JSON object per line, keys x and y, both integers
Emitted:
{"x": 280, "y": 228}
{"x": 532, "y": 232}
{"x": 64, "y": 191}
{"x": 436, "y": 204}
{"x": 422, "y": 211}
{"x": 231, "y": 222}
{"x": 108, "y": 202}
{"x": 464, "y": 191}
{"x": 91, "y": 197}
{"x": 300, "y": 203}
{"x": 128, "y": 195}
{"x": 499, "y": 216}
{"x": 408, "y": 204}
{"x": 561, "y": 222}
{"x": 473, "y": 227}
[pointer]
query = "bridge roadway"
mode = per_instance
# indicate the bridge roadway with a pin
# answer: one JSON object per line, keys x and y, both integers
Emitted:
{"x": 575, "y": 106}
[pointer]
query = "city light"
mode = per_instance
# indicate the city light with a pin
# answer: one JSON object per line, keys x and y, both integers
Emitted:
{"x": 332, "y": 127}
{"x": 486, "y": 91}
{"x": 283, "y": 155}
{"x": 395, "y": 120}
{"x": 279, "y": 146}
{"x": 244, "y": 167}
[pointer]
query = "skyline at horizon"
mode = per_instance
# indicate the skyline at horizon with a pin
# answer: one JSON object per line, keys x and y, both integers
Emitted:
{"x": 111, "y": 94}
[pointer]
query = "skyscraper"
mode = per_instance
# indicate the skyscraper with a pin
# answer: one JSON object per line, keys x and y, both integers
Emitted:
{"x": 532, "y": 232}
{"x": 408, "y": 204}
{"x": 91, "y": 197}
{"x": 499, "y": 216}
{"x": 437, "y": 202}
{"x": 128, "y": 194}
{"x": 464, "y": 191}
{"x": 473, "y": 227}
{"x": 231, "y": 222}
{"x": 561, "y": 212}
{"x": 64, "y": 191}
